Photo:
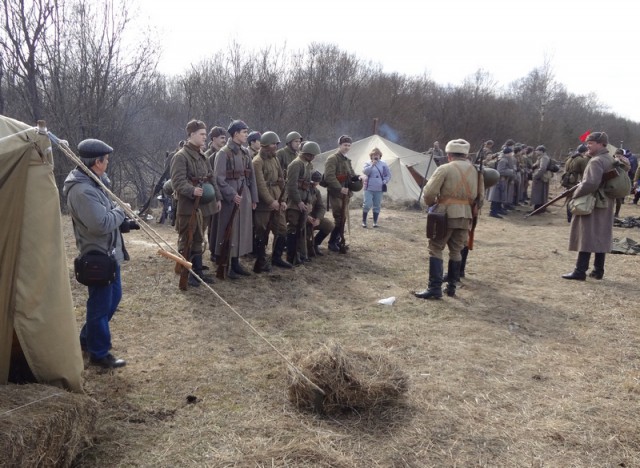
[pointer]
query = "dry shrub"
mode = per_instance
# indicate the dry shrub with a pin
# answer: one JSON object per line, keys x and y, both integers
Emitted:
{"x": 350, "y": 379}
{"x": 43, "y": 426}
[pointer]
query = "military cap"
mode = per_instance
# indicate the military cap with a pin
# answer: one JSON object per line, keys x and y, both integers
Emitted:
{"x": 269, "y": 138}
{"x": 619, "y": 151}
{"x": 598, "y": 137}
{"x": 92, "y": 148}
{"x": 215, "y": 132}
{"x": 344, "y": 139}
{"x": 292, "y": 136}
{"x": 253, "y": 136}
{"x": 509, "y": 142}
{"x": 582, "y": 148}
{"x": 236, "y": 126}
{"x": 541, "y": 148}
{"x": 195, "y": 125}
{"x": 507, "y": 150}
{"x": 459, "y": 146}
{"x": 316, "y": 176}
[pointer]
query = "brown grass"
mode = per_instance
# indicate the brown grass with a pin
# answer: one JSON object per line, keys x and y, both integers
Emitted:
{"x": 520, "y": 369}
{"x": 43, "y": 426}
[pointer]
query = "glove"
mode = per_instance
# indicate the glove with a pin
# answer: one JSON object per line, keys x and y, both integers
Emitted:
{"x": 128, "y": 224}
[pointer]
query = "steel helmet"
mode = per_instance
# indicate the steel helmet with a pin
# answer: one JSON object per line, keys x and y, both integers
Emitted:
{"x": 208, "y": 193}
{"x": 167, "y": 188}
{"x": 269, "y": 138}
{"x": 311, "y": 147}
{"x": 490, "y": 176}
{"x": 292, "y": 136}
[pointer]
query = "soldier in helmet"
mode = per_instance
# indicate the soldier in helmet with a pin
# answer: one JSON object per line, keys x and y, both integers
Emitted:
{"x": 299, "y": 197}
{"x": 234, "y": 174}
{"x": 452, "y": 190}
{"x": 269, "y": 213}
{"x": 192, "y": 181}
{"x": 254, "y": 143}
{"x": 341, "y": 182}
{"x": 315, "y": 218}
{"x": 287, "y": 154}
{"x": 96, "y": 220}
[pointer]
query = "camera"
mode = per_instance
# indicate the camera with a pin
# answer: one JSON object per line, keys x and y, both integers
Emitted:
{"x": 128, "y": 224}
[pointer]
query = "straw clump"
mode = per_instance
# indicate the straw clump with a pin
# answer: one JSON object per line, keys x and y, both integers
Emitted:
{"x": 350, "y": 379}
{"x": 43, "y": 426}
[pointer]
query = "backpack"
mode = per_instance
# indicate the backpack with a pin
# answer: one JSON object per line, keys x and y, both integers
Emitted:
{"x": 618, "y": 186}
{"x": 323, "y": 183}
{"x": 553, "y": 166}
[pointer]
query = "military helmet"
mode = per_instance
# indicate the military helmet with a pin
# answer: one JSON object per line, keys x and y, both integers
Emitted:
{"x": 92, "y": 148}
{"x": 253, "y": 136}
{"x": 167, "y": 188}
{"x": 208, "y": 193}
{"x": 311, "y": 147}
{"x": 292, "y": 136}
{"x": 490, "y": 176}
{"x": 269, "y": 138}
{"x": 316, "y": 176}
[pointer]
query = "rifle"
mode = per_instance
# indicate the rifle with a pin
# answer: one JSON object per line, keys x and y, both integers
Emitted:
{"x": 302, "y": 233}
{"x": 265, "y": 239}
{"x": 475, "y": 208}
{"x": 157, "y": 187}
{"x": 186, "y": 251}
{"x": 424, "y": 181}
{"x": 225, "y": 247}
{"x": 605, "y": 177}
{"x": 345, "y": 204}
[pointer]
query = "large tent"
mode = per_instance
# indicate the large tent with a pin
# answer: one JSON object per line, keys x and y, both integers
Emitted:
{"x": 35, "y": 292}
{"x": 407, "y": 166}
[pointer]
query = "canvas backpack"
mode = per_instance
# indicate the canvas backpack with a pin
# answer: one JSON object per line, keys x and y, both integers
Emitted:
{"x": 618, "y": 186}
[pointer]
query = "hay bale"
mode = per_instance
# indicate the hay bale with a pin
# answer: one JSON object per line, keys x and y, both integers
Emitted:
{"x": 43, "y": 426}
{"x": 351, "y": 379}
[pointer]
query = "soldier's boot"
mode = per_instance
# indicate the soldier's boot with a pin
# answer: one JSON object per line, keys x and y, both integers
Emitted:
{"x": 598, "y": 266}
{"x": 276, "y": 255}
{"x": 463, "y": 262}
{"x": 317, "y": 241}
{"x": 261, "y": 263}
{"x": 292, "y": 249}
{"x": 580, "y": 272}
{"x": 494, "y": 211}
{"x": 237, "y": 268}
{"x": 196, "y": 262}
{"x": 434, "y": 291}
{"x": 333, "y": 240}
{"x": 454, "y": 277}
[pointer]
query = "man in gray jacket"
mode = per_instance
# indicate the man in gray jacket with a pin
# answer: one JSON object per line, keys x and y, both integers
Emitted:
{"x": 96, "y": 226}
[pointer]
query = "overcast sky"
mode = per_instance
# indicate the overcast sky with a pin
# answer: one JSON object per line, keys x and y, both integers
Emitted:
{"x": 591, "y": 45}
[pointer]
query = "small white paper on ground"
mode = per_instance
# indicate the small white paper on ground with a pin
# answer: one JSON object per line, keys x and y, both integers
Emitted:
{"x": 388, "y": 300}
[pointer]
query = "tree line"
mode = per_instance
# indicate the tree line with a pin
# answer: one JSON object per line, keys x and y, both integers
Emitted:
{"x": 69, "y": 62}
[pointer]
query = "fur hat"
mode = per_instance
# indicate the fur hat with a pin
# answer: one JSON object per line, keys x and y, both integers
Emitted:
{"x": 195, "y": 125}
{"x": 598, "y": 137}
{"x": 344, "y": 139}
{"x": 459, "y": 146}
{"x": 582, "y": 148}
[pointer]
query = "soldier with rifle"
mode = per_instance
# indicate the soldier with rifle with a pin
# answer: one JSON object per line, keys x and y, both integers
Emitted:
{"x": 298, "y": 197}
{"x": 316, "y": 219}
{"x": 455, "y": 189}
{"x": 192, "y": 182}
{"x": 235, "y": 177}
{"x": 269, "y": 213}
{"x": 341, "y": 182}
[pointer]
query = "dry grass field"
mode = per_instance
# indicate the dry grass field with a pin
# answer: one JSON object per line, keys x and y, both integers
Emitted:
{"x": 521, "y": 368}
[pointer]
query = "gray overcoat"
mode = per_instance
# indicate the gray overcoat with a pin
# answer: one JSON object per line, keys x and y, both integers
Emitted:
{"x": 540, "y": 182}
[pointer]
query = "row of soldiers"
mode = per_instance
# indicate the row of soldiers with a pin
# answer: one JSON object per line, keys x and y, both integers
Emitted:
{"x": 239, "y": 191}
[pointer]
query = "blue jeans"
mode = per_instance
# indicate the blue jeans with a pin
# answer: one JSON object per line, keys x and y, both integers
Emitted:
{"x": 101, "y": 305}
{"x": 372, "y": 198}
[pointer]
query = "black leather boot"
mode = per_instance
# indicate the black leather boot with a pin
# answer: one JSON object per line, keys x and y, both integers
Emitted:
{"x": 454, "y": 278}
{"x": 196, "y": 262}
{"x": 261, "y": 263}
{"x": 317, "y": 241}
{"x": 292, "y": 249}
{"x": 237, "y": 268}
{"x": 580, "y": 272}
{"x": 276, "y": 255}
{"x": 463, "y": 262}
{"x": 364, "y": 218}
{"x": 434, "y": 291}
{"x": 333, "y": 240}
{"x": 598, "y": 266}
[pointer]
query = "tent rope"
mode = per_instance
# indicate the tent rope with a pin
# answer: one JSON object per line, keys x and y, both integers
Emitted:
{"x": 160, "y": 241}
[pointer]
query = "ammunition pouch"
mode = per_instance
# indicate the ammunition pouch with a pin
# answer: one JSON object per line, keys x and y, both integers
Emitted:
{"x": 238, "y": 174}
{"x": 436, "y": 226}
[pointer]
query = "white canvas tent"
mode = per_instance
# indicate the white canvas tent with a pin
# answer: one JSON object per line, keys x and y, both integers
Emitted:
{"x": 403, "y": 185}
{"x": 35, "y": 292}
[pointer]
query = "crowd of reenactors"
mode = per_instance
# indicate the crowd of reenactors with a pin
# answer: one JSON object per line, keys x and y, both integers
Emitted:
{"x": 237, "y": 189}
